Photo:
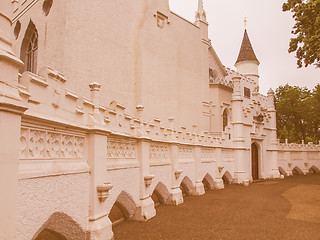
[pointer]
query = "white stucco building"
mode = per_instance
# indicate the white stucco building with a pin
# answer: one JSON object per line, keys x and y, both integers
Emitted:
{"x": 109, "y": 105}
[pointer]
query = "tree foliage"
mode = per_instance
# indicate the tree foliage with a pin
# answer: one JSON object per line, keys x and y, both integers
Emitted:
{"x": 306, "y": 42}
{"x": 298, "y": 113}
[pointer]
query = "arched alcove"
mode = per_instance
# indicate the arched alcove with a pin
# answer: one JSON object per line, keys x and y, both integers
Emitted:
{"x": 60, "y": 226}
{"x": 208, "y": 181}
{"x": 186, "y": 186}
{"x": 160, "y": 194}
{"x": 227, "y": 178}
{"x": 123, "y": 208}
{"x": 314, "y": 169}
{"x": 297, "y": 171}
{"x": 282, "y": 171}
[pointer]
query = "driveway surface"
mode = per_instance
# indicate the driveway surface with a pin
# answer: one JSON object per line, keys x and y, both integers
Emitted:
{"x": 274, "y": 209}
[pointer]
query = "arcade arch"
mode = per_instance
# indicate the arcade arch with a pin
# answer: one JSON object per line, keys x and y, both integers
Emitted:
{"x": 282, "y": 171}
{"x": 297, "y": 171}
{"x": 160, "y": 194}
{"x": 60, "y": 226}
{"x": 123, "y": 208}
{"x": 314, "y": 169}
{"x": 227, "y": 178}
{"x": 186, "y": 186}
{"x": 208, "y": 181}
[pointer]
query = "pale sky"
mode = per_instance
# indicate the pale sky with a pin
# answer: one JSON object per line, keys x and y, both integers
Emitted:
{"x": 269, "y": 30}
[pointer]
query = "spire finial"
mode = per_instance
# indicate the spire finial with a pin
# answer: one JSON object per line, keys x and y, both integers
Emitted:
{"x": 200, "y": 6}
{"x": 201, "y": 14}
{"x": 245, "y": 22}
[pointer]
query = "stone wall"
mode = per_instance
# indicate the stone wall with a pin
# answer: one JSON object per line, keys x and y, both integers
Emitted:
{"x": 298, "y": 158}
{"x": 71, "y": 155}
{"x": 77, "y": 150}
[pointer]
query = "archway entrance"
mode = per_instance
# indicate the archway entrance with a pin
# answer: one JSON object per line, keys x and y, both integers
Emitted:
{"x": 255, "y": 161}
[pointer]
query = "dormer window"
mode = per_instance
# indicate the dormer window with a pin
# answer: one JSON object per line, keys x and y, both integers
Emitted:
{"x": 29, "y": 49}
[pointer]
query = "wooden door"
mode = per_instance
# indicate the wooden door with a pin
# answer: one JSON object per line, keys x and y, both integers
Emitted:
{"x": 254, "y": 160}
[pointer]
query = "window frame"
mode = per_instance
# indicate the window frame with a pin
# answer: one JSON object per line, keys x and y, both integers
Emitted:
{"x": 225, "y": 119}
{"x": 29, "y": 49}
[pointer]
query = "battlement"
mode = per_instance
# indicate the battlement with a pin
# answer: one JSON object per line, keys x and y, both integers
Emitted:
{"x": 46, "y": 97}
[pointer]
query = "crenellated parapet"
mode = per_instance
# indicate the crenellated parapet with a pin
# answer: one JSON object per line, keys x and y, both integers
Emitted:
{"x": 299, "y": 147}
{"x": 222, "y": 82}
{"x": 46, "y": 97}
{"x": 300, "y": 158}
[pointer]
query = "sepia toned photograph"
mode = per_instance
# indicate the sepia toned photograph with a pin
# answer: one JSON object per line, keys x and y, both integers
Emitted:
{"x": 160, "y": 119}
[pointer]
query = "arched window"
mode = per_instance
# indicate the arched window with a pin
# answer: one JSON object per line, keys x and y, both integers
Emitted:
{"x": 32, "y": 52}
{"x": 29, "y": 49}
{"x": 225, "y": 119}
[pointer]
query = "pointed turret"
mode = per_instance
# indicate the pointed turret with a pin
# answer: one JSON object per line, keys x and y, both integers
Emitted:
{"x": 200, "y": 13}
{"x": 246, "y": 51}
{"x": 247, "y": 62}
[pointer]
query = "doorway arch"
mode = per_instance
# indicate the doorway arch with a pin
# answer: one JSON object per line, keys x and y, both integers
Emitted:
{"x": 254, "y": 161}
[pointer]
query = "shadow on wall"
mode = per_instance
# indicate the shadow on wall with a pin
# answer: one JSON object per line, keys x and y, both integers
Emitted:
{"x": 227, "y": 178}
{"x": 186, "y": 186}
{"x": 123, "y": 209}
{"x": 60, "y": 226}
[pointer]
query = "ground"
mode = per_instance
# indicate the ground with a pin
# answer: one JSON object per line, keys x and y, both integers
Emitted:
{"x": 275, "y": 209}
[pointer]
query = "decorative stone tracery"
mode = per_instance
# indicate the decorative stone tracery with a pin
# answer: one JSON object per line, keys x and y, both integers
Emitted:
{"x": 42, "y": 144}
{"x": 158, "y": 152}
{"x": 121, "y": 149}
{"x": 227, "y": 155}
{"x": 207, "y": 152}
{"x": 185, "y": 152}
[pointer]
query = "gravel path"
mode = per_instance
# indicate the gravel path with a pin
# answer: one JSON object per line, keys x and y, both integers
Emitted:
{"x": 275, "y": 209}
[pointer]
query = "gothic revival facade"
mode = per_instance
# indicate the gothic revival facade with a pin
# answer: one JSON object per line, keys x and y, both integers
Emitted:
{"x": 108, "y": 105}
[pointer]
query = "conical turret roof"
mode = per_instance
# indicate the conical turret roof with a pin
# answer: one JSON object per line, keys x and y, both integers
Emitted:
{"x": 246, "y": 51}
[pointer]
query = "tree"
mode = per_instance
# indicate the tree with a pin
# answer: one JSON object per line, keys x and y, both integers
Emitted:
{"x": 306, "y": 42}
{"x": 298, "y": 113}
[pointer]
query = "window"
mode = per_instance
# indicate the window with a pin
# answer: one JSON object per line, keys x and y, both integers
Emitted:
{"x": 213, "y": 73}
{"x": 225, "y": 119}
{"x": 32, "y": 51}
{"x": 29, "y": 49}
{"x": 247, "y": 92}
